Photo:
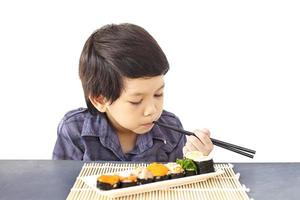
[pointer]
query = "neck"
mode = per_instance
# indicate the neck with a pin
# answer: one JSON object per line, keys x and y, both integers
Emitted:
{"x": 127, "y": 141}
{"x": 127, "y": 138}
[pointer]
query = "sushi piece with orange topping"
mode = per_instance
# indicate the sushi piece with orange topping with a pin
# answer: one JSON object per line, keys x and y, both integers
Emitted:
{"x": 108, "y": 182}
{"x": 159, "y": 171}
{"x": 127, "y": 179}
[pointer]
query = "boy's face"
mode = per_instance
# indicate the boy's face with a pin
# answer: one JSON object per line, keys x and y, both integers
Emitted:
{"x": 140, "y": 103}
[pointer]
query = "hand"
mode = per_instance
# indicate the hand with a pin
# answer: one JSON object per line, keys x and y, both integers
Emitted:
{"x": 194, "y": 144}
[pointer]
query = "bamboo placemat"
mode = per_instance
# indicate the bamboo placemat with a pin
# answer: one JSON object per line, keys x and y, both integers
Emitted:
{"x": 225, "y": 186}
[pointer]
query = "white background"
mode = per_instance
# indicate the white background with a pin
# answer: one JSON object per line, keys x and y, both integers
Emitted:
{"x": 234, "y": 69}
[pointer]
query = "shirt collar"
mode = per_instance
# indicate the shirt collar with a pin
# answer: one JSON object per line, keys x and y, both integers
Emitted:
{"x": 158, "y": 134}
{"x": 98, "y": 126}
{"x": 95, "y": 125}
{"x": 145, "y": 141}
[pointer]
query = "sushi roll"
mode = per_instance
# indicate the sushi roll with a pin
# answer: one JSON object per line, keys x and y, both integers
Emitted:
{"x": 205, "y": 164}
{"x": 175, "y": 170}
{"x": 144, "y": 176}
{"x": 108, "y": 182}
{"x": 127, "y": 179}
{"x": 159, "y": 171}
{"x": 189, "y": 166}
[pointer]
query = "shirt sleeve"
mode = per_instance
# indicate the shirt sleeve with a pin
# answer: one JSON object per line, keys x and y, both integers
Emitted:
{"x": 67, "y": 144}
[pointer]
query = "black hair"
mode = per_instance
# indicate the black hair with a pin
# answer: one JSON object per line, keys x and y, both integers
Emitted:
{"x": 116, "y": 51}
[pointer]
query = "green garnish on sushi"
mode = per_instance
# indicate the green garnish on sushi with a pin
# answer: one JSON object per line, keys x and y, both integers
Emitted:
{"x": 187, "y": 164}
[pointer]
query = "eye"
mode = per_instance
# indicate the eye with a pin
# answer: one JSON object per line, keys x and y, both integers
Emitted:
{"x": 135, "y": 103}
{"x": 158, "y": 95}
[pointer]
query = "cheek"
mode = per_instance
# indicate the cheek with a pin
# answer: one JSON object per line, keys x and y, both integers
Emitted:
{"x": 160, "y": 110}
{"x": 126, "y": 116}
{"x": 161, "y": 103}
{"x": 130, "y": 116}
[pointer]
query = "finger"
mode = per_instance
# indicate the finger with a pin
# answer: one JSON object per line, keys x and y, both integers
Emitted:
{"x": 204, "y": 137}
{"x": 191, "y": 147}
{"x": 195, "y": 141}
{"x": 195, "y": 144}
{"x": 206, "y": 145}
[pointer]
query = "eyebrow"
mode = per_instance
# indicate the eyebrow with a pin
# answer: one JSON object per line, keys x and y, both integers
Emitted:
{"x": 139, "y": 93}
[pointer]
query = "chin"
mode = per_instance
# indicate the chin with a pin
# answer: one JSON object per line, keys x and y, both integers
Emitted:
{"x": 142, "y": 131}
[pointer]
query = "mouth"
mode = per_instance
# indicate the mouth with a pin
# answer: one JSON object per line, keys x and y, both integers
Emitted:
{"x": 148, "y": 124}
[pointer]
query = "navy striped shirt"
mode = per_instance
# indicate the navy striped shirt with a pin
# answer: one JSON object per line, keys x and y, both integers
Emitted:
{"x": 83, "y": 136}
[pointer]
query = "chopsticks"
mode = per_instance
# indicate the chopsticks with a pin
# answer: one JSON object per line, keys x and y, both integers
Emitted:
{"x": 231, "y": 147}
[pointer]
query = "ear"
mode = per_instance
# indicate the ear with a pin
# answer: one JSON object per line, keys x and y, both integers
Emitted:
{"x": 100, "y": 103}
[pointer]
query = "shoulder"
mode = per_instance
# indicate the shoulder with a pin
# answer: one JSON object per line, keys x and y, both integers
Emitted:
{"x": 76, "y": 114}
{"x": 73, "y": 121}
{"x": 80, "y": 122}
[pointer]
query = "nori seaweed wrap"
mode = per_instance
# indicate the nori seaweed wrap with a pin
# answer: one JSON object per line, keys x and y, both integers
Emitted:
{"x": 127, "y": 179}
{"x": 175, "y": 170}
{"x": 159, "y": 171}
{"x": 108, "y": 182}
{"x": 204, "y": 164}
{"x": 188, "y": 165}
{"x": 144, "y": 176}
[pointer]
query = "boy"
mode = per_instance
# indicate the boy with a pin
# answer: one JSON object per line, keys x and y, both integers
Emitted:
{"x": 121, "y": 69}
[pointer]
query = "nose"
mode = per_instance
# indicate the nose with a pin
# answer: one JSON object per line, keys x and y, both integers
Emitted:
{"x": 150, "y": 109}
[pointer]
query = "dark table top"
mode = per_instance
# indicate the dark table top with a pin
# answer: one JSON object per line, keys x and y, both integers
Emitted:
{"x": 47, "y": 179}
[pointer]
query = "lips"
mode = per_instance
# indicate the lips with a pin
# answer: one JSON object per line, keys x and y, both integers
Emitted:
{"x": 147, "y": 124}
